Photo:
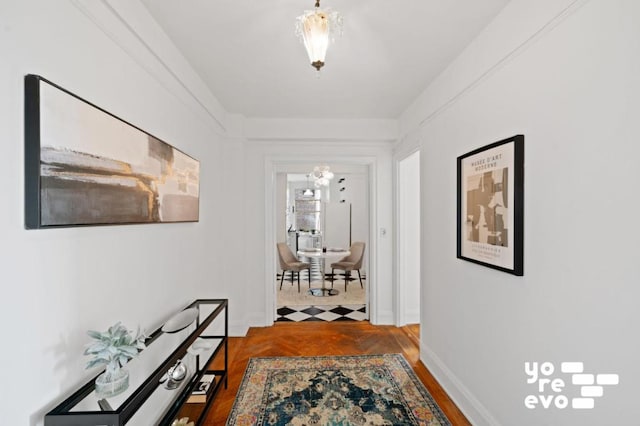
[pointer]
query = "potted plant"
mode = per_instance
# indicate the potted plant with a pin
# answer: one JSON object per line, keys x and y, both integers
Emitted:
{"x": 114, "y": 348}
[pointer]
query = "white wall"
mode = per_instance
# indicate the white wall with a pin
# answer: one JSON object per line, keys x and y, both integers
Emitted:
{"x": 58, "y": 283}
{"x": 566, "y": 75}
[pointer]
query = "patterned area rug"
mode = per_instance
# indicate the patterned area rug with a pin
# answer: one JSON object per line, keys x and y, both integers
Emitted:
{"x": 332, "y": 391}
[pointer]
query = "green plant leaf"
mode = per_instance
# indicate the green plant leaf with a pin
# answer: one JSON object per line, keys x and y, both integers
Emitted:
{"x": 114, "y": 347}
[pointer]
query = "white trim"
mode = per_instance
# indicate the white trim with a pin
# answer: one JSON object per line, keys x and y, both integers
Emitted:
{"x": 464, "y": 399}
{"x": 238, "y": 328}
{"x": 373, "y": 263}
{"x": 383, "y": 318}
{"x": 318, "y": 129}
{"x": 548, "y": 26}
{"x": 130, "y": 26}
{"x": 270, "y": 240}
{"x": 298, "y": 143}
{"x": 401, "y": 316}
{"x": 411, "y": 120}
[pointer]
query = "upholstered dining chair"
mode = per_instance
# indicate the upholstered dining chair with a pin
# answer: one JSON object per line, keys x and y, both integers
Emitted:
{"x": 288, "y": 262}
{"x": 353, "y": 262}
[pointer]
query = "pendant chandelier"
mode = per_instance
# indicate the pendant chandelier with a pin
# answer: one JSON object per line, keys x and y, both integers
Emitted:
{"x": 322, "y": 176}
{"x": 317, "y": 28}
{"x": 308, "y": 192}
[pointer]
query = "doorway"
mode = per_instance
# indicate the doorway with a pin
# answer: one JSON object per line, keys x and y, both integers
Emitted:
{"x": 286, "y": 164}
{"x": 408, "y": 242}
{"x": 310, "y": 216}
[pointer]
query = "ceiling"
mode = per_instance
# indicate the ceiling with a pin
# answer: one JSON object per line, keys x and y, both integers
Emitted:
{"x": 247, "y": 52}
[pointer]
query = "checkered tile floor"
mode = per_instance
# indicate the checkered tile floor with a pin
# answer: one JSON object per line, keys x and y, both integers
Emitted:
{"x": 322, "y": 313}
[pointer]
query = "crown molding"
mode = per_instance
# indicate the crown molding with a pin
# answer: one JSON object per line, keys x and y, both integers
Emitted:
{"x": 130, "y": 26}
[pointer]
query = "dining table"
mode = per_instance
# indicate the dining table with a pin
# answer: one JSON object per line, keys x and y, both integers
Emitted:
{"x": 322, "y": 255}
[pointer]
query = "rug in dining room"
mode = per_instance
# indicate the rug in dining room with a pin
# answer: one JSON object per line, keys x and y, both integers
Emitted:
{"x": 333, "y": 390}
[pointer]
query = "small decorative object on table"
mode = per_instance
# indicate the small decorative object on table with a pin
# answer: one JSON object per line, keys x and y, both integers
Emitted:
{"x": 175, "y": 375}
{"x": 200, "y": 346}
{"x": 114, "y": 347}
{"x": 202, "y": 389}
{"x": 104, "y": 405}
{"x": 181, "y": 320}
{"x": 182, "y": 422}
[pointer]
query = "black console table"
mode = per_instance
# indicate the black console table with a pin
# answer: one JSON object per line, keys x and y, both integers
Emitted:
{"x": 147, "y": 401}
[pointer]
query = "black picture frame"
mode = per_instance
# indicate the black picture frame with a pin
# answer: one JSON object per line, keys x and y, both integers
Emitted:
{"x": 490, "y": 205}
{"x": 86, "y": 167}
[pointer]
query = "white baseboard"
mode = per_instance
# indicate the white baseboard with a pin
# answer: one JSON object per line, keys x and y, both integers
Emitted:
{"x": 383, "y": 318}
{"x": 412, "y": 317}
{"x": 238, "y": 328}
{"x": 475, "y": 412}
{"x": 238, "y": 331}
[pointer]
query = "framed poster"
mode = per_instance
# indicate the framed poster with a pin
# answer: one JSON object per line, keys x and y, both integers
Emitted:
{"x": 491, "y": 205}
{"x": 85, "y": 166}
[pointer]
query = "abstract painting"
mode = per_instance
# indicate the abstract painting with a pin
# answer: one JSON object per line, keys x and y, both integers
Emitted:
{"x": 491, "y": 205}
{"x": 85, "y": 166}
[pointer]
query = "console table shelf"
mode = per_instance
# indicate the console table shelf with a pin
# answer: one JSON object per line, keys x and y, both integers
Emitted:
{"x": 147, "y": 401}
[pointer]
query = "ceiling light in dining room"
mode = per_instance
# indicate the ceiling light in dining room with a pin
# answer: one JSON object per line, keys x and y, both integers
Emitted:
{"x": 308, "y": 192}
{"x": 322, "y": 176}
{"x": 318, "y": 28}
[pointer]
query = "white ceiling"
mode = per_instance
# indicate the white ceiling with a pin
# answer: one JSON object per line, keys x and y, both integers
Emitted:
{"x": 247, "y": 52}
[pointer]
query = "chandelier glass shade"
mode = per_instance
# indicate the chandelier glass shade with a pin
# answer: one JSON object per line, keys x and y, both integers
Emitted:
{"x": 317, "y": 29}
{"x": 308, "y": 192}
{"x": 322, "y": 176}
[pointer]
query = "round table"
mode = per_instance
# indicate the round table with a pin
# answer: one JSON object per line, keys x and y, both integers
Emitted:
{"x": 323, "y": 255}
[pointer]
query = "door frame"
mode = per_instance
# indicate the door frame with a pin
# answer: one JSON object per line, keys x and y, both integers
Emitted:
{"x": 283, "y": 164}
{"x": 400, "y": 293}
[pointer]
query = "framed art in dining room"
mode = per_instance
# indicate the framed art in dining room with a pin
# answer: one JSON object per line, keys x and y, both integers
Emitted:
{"x": 490, "y": 206}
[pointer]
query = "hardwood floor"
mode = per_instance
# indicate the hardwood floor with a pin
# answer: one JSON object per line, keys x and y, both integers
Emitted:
{"x": 325, "y": 338}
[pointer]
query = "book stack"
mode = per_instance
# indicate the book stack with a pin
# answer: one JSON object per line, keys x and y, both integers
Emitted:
{"x": 202, "y": 389}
